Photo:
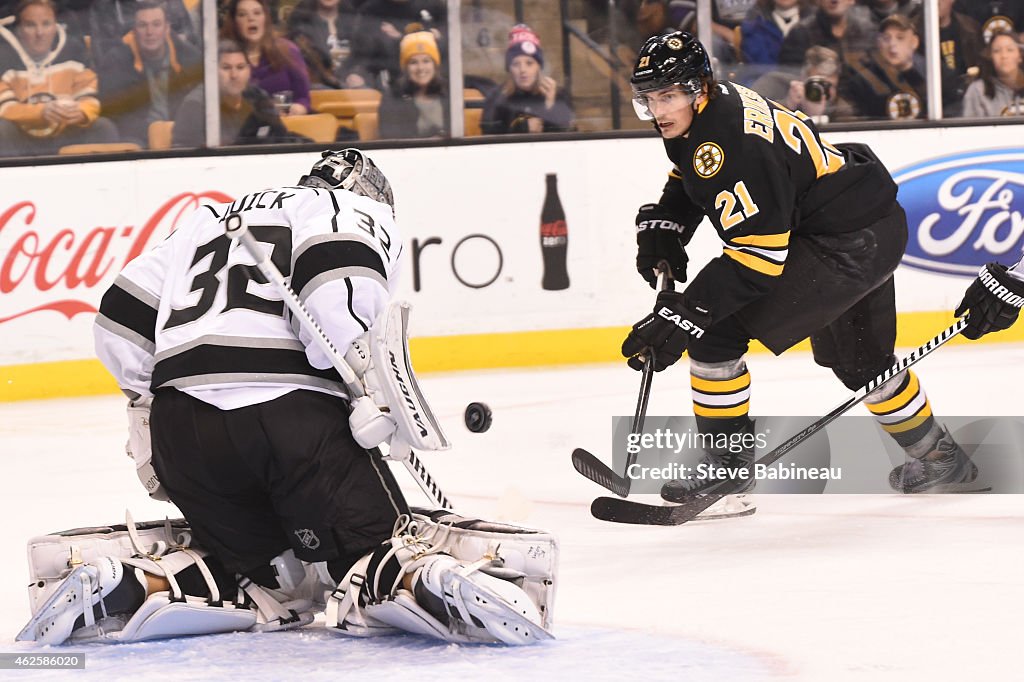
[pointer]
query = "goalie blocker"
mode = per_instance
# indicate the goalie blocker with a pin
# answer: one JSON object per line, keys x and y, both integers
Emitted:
{"x": 380, "y": 360}
{"x": 441, "y": 575}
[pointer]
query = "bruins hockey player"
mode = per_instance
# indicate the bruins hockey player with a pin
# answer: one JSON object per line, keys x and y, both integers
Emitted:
{"x": 811, "y": 233}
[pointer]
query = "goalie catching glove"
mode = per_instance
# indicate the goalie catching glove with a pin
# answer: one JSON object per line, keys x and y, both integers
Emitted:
{"x": 666, "y": 331}
{"x": 394, "y": 408}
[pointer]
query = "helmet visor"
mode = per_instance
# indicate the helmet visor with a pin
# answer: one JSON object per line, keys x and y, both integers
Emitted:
{"x": 662, "y": 101}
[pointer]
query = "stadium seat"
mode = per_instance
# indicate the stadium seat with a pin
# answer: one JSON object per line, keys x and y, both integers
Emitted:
{"x": 367, "y": 124}
{"x": 161, "y": 134}
{"x": 345, "y": 103}
{"x": 317, "y": 127}
{"x": 471, "y": 120}
{"x": 99, "y": 148}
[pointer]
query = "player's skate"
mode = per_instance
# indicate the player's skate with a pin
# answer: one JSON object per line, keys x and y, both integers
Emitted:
{"x": 735, "y": 469}
{"x": 91, "y": 597}
{"x": 947, "y": 469}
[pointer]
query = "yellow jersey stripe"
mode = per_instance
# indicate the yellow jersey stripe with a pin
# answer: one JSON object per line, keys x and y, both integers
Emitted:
{"x": 754, "y": 263}
{"x": 766, "y": 241}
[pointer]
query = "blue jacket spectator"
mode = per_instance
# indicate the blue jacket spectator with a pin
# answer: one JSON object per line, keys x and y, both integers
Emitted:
{"x": 766, "y": 26}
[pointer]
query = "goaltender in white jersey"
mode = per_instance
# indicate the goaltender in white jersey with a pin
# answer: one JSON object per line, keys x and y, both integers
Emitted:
{"x": 192, "y": 313}
{"x": 239, "y": 418}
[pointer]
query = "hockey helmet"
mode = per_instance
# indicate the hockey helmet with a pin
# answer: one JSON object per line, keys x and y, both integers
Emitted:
{"x": 352, "y": 170}
{"x": 675, "y": 58}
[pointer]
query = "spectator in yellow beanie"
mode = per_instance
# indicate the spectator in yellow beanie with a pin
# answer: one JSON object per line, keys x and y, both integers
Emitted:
{"x": 420, "y": 42}
{"x": 418, "y": 104}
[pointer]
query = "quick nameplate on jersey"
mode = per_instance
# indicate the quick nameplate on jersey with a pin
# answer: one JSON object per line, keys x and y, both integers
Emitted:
{"x": 251, "y": 201}
{"x": 679, "y": 321}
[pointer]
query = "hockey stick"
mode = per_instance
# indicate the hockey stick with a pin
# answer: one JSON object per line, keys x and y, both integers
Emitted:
{"x": 587, "y": 463}
{"x": 234, "y": 227}
{"x": 627, "y": 511}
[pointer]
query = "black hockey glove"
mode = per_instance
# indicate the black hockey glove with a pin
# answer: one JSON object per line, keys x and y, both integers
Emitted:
{"x": 659, "y": 237}
{"x": 666, "y": 331}
{"x": 994, "y": 300}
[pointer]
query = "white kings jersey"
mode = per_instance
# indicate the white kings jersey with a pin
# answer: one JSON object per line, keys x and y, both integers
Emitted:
{"x": 195, "y": 314}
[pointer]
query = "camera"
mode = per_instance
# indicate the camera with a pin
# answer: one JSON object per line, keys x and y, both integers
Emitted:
{"x": 817, "y": 89}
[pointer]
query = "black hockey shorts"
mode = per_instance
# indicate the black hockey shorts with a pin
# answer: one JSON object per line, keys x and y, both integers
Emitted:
{"x": 256, "y": 480}
{"x": 836, "y": 289}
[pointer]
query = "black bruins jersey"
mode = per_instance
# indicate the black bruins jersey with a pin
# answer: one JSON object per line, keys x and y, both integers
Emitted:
{"x": 761, "y": 173}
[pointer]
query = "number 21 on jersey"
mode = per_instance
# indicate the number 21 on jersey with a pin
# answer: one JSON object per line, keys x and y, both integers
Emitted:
{"x": 733, "y": 214}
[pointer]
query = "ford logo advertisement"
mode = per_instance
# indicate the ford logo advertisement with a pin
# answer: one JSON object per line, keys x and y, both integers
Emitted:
{"x": 964, "y": 210}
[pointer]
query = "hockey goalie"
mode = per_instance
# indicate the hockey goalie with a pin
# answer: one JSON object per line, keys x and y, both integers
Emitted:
{"x": 245, "y": 424}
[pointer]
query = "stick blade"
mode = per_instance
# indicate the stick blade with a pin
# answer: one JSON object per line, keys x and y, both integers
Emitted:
{"x": 597, "y": 471}
{"x": 638, "y": 513}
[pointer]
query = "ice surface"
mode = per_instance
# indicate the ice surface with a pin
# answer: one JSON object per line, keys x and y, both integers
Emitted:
{"x": 859, "y": 587}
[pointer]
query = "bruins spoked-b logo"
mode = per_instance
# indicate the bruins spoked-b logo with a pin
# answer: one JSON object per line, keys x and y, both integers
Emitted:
{"x": 674, "y": 44}
{"x": 903, "y": 105}
{"x": 708, "y": 159}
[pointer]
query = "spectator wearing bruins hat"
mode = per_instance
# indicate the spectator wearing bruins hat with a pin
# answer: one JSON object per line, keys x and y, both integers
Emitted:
{"x": 889, "y": 82}
{"x": 528, "y": 101}
{"x": 417, "y": 106}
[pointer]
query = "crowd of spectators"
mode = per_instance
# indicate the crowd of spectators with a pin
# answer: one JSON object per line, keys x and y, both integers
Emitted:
{"x": 776, "y": 49}
{"x": 95, "y": 71}
{"x": 63, "y": 63}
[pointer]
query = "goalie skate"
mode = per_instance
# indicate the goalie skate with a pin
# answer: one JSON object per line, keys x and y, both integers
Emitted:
{"x": 54, "y": 620}
{"x": 503, "y": 616}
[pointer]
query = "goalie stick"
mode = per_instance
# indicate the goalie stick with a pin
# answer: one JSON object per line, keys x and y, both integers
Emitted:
{"x": 627, "y": 511}
{"x": 235, "y": 228}
{"x": 587, "y": 463}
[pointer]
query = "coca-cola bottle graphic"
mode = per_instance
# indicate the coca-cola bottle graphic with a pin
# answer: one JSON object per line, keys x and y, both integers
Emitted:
{"x": 554, "y": 238}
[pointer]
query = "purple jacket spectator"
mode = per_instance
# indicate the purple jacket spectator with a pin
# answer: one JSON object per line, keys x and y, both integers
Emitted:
{"x": 277, "y": 64}
{"x": 293, "y": 77}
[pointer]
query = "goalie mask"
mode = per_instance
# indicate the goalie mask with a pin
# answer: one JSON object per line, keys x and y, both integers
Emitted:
{"x": 352, "y": 170}
{"x": 673, "y": 59}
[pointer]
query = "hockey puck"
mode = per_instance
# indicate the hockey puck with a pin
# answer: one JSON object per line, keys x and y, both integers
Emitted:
{"x": 478, "y": 417}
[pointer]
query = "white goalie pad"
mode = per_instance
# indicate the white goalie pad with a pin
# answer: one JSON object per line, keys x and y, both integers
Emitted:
{"x": 387, "y": 374}
{"x": 472, "y": 581}
{"x": 59, "y": 569}
{"x": 158, "y": 618}
{"x": 525, "y": 556}
{"x": 50, "y": 557}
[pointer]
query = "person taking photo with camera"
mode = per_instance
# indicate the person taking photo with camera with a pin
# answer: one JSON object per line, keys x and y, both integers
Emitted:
{"x": 815, "y": 93}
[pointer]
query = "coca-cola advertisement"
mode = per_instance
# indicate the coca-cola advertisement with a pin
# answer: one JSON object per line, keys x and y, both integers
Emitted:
{"x": 49, "y": 267}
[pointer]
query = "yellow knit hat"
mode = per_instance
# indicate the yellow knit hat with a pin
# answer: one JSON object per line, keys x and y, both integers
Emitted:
{"x": 421, "y": 42}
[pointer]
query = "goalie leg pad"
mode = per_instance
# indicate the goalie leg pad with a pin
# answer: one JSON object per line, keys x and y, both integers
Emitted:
{"x": 525, "y": 556}
{"x": 411, "y": 584}
{"x": 79, "y": 594}
{"x": 161, "y": 618}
